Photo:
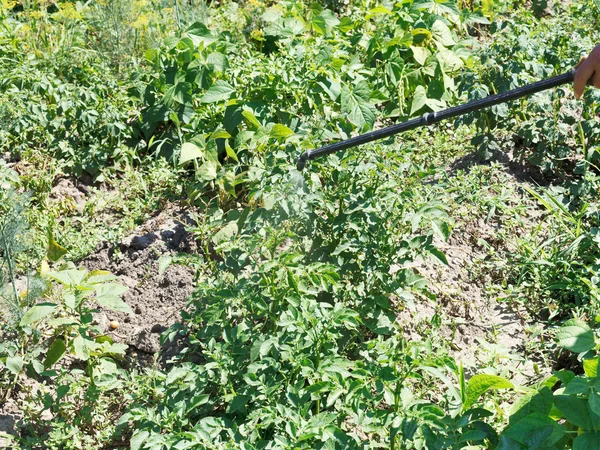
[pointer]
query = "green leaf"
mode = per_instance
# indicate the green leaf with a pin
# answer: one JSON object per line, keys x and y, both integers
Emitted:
{"x": 100, "y": 276}
{"x": 575, "y": 410}
{"x": 138, "y": 439}
{"x": 218, "y": 92}
{"x": 80, "y": 348}
{"x": 280, "y": 131}
{"x": 587, "y": 441}
{"x": 442, "y": 34}
{"x": 590, "y": 367}
{"x": 55, "y": 251}
{"x": 420, "y": 100}
{"x": 594, "y": 402}
{"x": 109, "y": 296}
{"x": 578, "y": 385}
{"x": 37, "y": 313}
{"x": 536, "y": 431}
{"x": 70, "y": 277}
{"x": 238, "y": 403}
{"x": 207, "y": 171}
{"x": 575, "y": 335}
{"x": 251, "y": 119}
{"x": 14, "y": 364}
{"x": 439, "y": 255}
{"x": 420, "y": 54}
{"x": 230, "y": 152}
{"x": 164, "y": 262}
{"x": 357, "y": 106}
{"x": 55, "y": 352}
{"x": 536, "y": 401}
{"x": 377, "y": 11}
{"x": 189, "y": 152}
{"x": 226, "y": 233}
{"x": 481, "y": 383}
{"x": 440, "y": 7}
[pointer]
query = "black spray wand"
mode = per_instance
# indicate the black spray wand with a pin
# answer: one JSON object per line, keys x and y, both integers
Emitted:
{"x": 434, "y": 117}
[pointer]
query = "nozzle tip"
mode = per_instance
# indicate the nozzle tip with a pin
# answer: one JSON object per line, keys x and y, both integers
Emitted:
{"x": 301, "y": 164}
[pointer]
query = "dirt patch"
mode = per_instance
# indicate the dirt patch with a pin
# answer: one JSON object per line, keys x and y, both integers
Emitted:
{"x": 482, "y": 331}
{"x": 156, "y": 299}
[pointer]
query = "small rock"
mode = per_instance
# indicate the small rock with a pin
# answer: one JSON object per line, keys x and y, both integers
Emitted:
{"x": 158, "y": 328}
{"x": 139, "y": 309}
{"x": 140, "y": 242}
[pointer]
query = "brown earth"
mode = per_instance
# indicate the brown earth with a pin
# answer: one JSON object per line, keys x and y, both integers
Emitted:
{"x": 156, "y": 299}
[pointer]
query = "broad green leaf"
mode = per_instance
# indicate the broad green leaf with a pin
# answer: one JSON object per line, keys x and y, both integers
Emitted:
{"x": 230, "y": 152}
{"x": 55, "y": 352}
{"x": 138, "y": 439}
{"x": 80, "y": 348}
{"x": 590, "y": 367}
{"x": 419, "y": 100}
{"x": 438, "y": 7}
{"x": 55, "y": 251}
{"x": 575, "y": 335}
{"x": 575, "y": 410}
{"x": 440, "y": 255}
{"x": 449, "y": 61}
{"x": 420, "y": 54}
{"x": 37, "y": 313}
{"x": 218, "y": 92}
{"x": 109, "y": 296}
{"x": 481, "y": 383}
{"x": 377, "y": 11}
{"x": 536, "y": 431}
{"x": 61, "y": 321}
{"x": 442, "y": 34}
{"x": 189, "y": 152}
{"x": 587, "y": 441}
{"x": 280, "y": 131}
{"x": 594, "y": 402}
{"x": 207, "y": 171}
{"x": 578, "y": 385}
{"x": 237, "y": 403}
{"x": 536, "y": 401}
{"x": 251, "y": 119}
{"x": 357, "y": 106}
{"x": 14, "y": 364}
{"x": 70, "y": 277}
{"x": 218, "y": 61}
{"x": 225, "y": 233}
{"x": 100, "y": 276}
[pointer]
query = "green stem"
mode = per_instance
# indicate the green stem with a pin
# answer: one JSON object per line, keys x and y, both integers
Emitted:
{"x": 11, "y": 270}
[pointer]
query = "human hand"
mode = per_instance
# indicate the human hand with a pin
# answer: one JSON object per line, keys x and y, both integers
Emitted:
{"x": 588, "y": 72}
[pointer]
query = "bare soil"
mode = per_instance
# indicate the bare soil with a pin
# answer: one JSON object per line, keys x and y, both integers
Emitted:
{"x": 156, "y": 299}
{"x": 481, "y": 330}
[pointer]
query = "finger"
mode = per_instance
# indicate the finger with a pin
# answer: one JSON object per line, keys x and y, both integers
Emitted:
{"x": 581, "y": 60}
{"x": 583, "y": 74}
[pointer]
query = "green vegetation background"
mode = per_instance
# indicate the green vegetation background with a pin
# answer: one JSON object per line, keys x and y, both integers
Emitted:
{"x": 293, "y": 338}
